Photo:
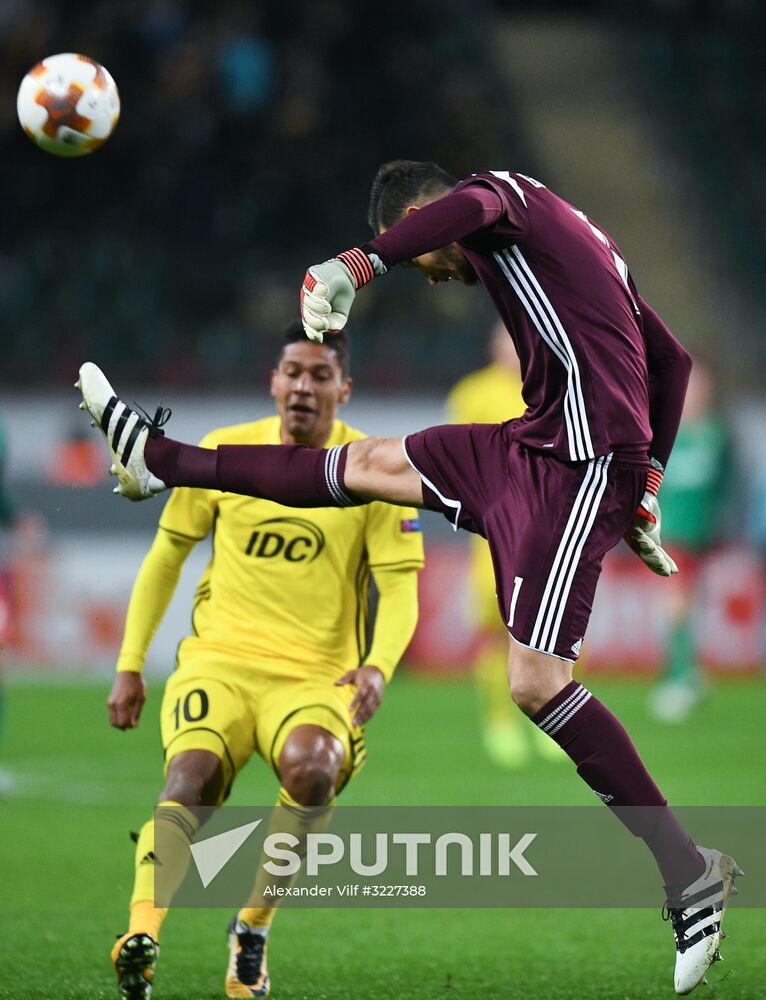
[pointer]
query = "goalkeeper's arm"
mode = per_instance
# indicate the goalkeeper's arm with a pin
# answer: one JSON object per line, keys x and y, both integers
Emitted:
{"x": 669, "y": 366}
{"x": 328, "y": 289}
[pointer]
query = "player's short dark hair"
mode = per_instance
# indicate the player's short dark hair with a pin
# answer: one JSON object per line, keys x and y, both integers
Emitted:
{"x": 337, "y": 342}
{"x": 400, "y": 183}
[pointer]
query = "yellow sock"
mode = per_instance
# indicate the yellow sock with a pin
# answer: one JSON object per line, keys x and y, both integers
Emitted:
{"x": 180, "y": 825}
{"x": 291, "y": 818}
{"x": 146, "y": 918}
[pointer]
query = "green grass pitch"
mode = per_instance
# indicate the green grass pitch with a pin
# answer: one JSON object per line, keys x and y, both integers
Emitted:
{"x": 66, "y": 860}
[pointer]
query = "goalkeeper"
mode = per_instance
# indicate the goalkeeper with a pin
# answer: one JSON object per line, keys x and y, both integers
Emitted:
{"x": 277, "y": 663}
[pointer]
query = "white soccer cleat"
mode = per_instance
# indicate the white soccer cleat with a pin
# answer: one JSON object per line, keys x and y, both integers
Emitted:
{"x": 126, "y": 433}
{"x": 696, "y": 916}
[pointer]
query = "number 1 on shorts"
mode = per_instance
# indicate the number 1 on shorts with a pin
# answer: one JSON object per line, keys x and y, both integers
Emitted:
{"x": 517, "y": 582}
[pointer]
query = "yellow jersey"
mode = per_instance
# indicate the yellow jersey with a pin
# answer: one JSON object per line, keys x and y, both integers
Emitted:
{"x": 487, "y": 396}
{"x": 289, "y": 587}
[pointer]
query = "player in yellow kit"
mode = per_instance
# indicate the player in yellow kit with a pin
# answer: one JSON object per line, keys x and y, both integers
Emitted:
{"x": 277, "y": 662}
{"x": 489, "y": 396}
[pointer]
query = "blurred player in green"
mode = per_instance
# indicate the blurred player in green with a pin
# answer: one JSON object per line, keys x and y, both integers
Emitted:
{"x": 695, "y": 496}
{"x": 489, "y": 396}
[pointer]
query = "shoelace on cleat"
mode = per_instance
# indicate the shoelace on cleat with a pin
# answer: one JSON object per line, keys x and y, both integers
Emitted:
{"x": 682, "y": 924}
{"x": 250, "y": 957}
{"x": 676, "y": 917}
{"x": 157, "y": 422}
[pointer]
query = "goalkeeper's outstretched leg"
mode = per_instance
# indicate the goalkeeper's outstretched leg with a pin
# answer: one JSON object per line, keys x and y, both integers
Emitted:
{"x": 146, "y": 462}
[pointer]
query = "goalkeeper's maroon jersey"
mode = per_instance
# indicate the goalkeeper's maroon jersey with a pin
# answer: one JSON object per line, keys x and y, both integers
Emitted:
{"x": 563, "y": 290}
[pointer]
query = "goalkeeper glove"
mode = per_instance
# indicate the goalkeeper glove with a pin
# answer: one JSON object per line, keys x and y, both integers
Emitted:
{"x": 643, "y": 535}
{"x": 329, "y": 289}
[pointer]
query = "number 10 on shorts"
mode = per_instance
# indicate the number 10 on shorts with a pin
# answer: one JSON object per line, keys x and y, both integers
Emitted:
{"x": 194, "y": 707}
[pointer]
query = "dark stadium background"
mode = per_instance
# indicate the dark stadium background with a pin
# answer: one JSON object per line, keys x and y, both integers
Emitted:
{"x": 250, "y": 133}
{"x": 173, "y": 257}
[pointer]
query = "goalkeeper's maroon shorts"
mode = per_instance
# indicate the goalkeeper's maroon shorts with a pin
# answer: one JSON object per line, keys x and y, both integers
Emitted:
{"x": 549, "y": 523}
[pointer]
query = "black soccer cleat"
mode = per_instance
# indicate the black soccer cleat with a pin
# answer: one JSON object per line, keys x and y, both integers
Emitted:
{"x": 134, "y": 957}
{"x": 247, "y": 974}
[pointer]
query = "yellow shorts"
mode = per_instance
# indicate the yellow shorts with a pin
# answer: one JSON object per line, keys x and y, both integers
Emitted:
{"x": 216, "y": 700}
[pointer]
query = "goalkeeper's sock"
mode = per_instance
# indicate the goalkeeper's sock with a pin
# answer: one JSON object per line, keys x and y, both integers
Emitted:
{"x": 178, "y": 825}
{"x": 291, "y": 474}
{"x": 607, "y": 760}
{"x": 290, "y": 817}
{"x": 178, "y": 464}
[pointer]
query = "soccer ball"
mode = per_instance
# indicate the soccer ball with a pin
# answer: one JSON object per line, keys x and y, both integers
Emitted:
{"x": 68, "y": 105}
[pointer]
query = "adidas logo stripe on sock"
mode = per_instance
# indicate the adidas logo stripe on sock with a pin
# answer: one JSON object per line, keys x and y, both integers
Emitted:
{"x": 564, "y": 712}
